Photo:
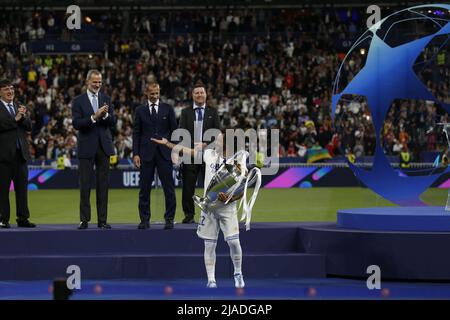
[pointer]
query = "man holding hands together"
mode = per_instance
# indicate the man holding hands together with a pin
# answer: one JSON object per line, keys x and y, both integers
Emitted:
{"x": 14, "y": 125}
{"x": 95, "y": 146}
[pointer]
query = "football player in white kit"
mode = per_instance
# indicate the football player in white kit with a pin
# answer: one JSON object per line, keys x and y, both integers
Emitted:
{"x": 223, "y": 218}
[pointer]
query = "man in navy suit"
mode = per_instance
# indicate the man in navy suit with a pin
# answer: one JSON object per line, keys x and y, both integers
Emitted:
{"x": 154, "y": 119}
{"x": 14, "y": 126}
{"x": 92, "y": 116}
{"x": 197, "y": 119}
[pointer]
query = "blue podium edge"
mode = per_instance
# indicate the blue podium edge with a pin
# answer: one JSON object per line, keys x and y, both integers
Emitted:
{"x": 420, "y": 219}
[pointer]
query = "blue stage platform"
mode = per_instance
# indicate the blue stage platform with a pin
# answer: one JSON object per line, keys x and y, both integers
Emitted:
{"x": 407, "y": 243}
{"x": 270, "y": 251}
{"x": 395, "y": 219}
{"x": 401, "y": 255}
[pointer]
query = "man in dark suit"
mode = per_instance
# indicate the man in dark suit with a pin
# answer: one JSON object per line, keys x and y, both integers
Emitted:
{"x": 14, "y": 125}
{"x": 92, "y": 116}
{"x": 154, "y": 119}
{"x": 197, "y": 119}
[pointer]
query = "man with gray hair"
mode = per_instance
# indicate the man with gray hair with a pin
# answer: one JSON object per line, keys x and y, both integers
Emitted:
{"x": 93, "y": 116}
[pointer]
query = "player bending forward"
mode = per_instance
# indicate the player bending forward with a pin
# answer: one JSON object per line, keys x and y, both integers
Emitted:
{"x": 223, "y": 217}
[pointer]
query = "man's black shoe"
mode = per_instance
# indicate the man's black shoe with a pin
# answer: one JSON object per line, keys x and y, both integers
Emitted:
{"x": 83, "y": 225}
{"x": 188, "y": 220}
{"x": 103, "y": 225}
{"x": 25, "y": 224}
{"x": 143, "y": 225}
{"x": 168, "y": 225}
{"x": 5, "y": 225}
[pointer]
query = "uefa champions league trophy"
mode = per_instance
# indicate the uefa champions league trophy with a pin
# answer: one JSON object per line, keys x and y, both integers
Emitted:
{"x": 446, "y": 128}
{"x": 233, "y": 179}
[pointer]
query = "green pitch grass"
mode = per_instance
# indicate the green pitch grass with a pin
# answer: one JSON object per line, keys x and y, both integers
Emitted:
{"x": 315, "y": 204}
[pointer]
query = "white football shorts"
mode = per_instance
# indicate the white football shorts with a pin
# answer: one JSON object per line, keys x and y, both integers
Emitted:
{"x": 224, "y": 219}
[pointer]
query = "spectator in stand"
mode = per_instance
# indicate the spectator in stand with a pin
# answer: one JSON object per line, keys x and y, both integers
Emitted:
{"x": 275, "y": 80}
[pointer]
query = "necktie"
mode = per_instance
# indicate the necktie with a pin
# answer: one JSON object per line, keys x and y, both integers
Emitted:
{"x": 11, "y": 110}
{"x": 13, "y": 114}
{"x": 199, "y": 114}
{"x": 94, "y": 102}
{"x": 153, "y": 111}
{"x": 198, "y": 127}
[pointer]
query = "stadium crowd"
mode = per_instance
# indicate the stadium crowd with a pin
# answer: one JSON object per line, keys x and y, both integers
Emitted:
{"x": 263, "y": 69}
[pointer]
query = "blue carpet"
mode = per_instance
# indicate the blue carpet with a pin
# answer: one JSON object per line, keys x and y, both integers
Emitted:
{"x": 194, "y": 289}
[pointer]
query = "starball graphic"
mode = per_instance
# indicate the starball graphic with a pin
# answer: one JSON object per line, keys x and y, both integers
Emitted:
{"x": 392, "y": 72}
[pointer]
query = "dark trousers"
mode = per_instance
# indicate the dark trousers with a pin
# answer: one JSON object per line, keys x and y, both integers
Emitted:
{"x": 190, "y": 175}
{"x": 17, "y": 171}
{"x": 86, "y": 171}
{"x": 147, "y": 173}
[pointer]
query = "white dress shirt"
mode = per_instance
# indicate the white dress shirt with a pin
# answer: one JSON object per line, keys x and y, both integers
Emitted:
{"x": 6, "y": 105}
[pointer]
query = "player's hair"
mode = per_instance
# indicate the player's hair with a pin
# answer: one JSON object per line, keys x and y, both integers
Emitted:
{"x": 232, "y": 145}
{"x": 224, "y": 137}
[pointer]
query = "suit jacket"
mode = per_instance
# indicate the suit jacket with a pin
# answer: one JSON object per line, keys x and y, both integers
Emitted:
{"x": 210, "y": 120}
{"x": 10, "y": 132}
{"x": 91, "y": 135}
{"x": 145, "y": 128}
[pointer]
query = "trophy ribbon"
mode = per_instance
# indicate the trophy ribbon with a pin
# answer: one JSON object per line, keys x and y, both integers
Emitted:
{"x": 247, "y": 206}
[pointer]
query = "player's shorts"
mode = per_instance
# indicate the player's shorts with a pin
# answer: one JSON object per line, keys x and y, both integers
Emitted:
{"x": 226, "y": 220}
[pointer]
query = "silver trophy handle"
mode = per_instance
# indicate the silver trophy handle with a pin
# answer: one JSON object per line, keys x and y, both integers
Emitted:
{"x": 445, "y": 129}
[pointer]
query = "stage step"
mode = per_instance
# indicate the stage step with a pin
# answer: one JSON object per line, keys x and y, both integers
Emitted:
{"x": 67, "y": 240}
{"x": 400, "y": 255}
{"x": 159, "y": 266}
{"x": 269, "y": 249}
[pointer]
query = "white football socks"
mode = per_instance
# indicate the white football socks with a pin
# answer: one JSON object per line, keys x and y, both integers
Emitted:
{"x": 236, "y": 254}
{"x": 210, "y": 259}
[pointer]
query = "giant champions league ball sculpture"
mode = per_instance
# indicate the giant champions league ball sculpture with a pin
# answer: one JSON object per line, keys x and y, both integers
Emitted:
{"x": 392, "y": 71}
{"x": 411, "y": 240}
